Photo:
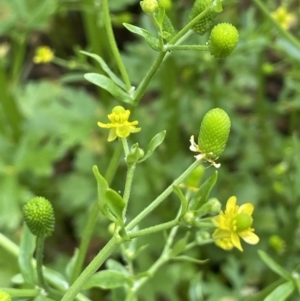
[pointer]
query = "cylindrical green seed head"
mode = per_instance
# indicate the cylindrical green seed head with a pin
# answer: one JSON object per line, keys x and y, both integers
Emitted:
{"x": 223, "y": 39}
{"x": 39, "y": 216}
{"x": 204, "y": 23}
{"x": 4, "y": 296}
{"x": 214, "y": 132}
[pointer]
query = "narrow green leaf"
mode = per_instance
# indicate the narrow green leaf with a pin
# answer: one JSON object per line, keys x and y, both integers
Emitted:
{"x": 281, "y": 292}
{"x": 152, "y": 41}
{"x": 266, "y": 291}
{"x": 274, "y": 266}
{"x": 154, "y": 143}
{"x": 108, "y": 85}
{"x": 106, "y": 69}
{"x": 115, "y": 203}
{"x": 190, "y": 259}
{"x": 179, "y": 245}
{"x": 183, "y": 200}
{"x": 102, "y": 187}
{"x": 27, "y": 248}
{"x": 202, "y": 194}
{"x": 108, "y": 280}
{"x": 71, "y": 265}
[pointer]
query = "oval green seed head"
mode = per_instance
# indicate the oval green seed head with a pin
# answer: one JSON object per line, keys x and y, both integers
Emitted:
{"x": 204, "y": 23}
{"x": 223, "y": 39}
{"x": 214, "y": 132}
{"x": 39, "y": 216}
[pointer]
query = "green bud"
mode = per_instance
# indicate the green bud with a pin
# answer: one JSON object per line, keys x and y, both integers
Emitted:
{"x": 39, "y": 216}
{"x": 149, "y": 6}
{"x": 223, "y": 39}
{"x": 4, "y": 296}
{"x": 214, "y": 132}
{"x": 204, "y": 23}
{"x": 212, "y": 207}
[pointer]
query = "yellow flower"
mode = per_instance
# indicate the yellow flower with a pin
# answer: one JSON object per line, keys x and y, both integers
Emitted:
{"x": 283, "y": 17}
{"x": 234, "y": 223}
{"x": 43, "y": 55}
{"x": 119, "y": 126}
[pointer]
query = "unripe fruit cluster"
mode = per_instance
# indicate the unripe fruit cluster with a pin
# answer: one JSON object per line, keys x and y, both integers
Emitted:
{"x": 214, "y": 132}
{"x": 39, "y": 216}
{"x": 223, "y": 39}
{"x": 204, "y": 23}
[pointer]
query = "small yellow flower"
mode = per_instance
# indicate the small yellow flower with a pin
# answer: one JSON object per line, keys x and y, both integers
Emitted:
{"x": 43, "y": 55}
{"x": 119, "y": 126}
{"x": 234, "y": 223}
{"x": 284, "y": 18}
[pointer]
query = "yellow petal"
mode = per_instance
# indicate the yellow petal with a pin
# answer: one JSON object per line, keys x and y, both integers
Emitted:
{"x": 249, "y": 237}
{"x": 231, "y": 203}
{"x": 224, "y": 243}
{"x": 236, "y": 241}
{"x": 102, "y": 125}
{"x": 247, "y": 208}
{"x": 219, "y": 234}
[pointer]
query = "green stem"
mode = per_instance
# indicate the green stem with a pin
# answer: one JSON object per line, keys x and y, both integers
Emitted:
{"x": 113, "y": 44}
{"x": 39, "y": 261}
{"x": 145, "y": 82}
{"x": 90, "y": 226}
{"x": 125, "y": 146}
{"x": 90, "y": 269}
{"x": 188, "y": 26}
{"x": 14, "y": 292}
{"x": 128, "y": 183}
{"x": 187, "y": 47}
{"x": 163, "y": 195}
{"x": 283, "y": 32}
{"x": 154, "y": 229}
{"x": 9, "y": 246}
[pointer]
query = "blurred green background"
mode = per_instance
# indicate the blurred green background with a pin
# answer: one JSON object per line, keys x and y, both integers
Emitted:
{"x": 49, "y": 137}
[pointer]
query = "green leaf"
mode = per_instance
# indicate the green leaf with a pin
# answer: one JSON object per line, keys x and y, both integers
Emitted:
{"x": 154, "y": 143}
{"x": 179, "y": 245}
{"x": 106, "y": 69}
{"x": 281, "y": 292}
{"x": 108, "y": 280}
{"x": 218, "y": 7}
{"x": 27, "y": 248}
{"x": 133, "y": 155}
{"x": 183, "y": 200}
{"x": 102, "y": 187}
{"x": 274, "y": 266}
{"x": 160, "y": 15}
{"x": 190, "y": 259}
{"x": 56, "y": 279}
{"x": 115, "y": 203}
{"x": 71, "y": 264}
{"x": 152, "y": 41}
{"x": 202, "y": 194}
{"x": 108, "y": 85}
{"x": 266, "y": 291}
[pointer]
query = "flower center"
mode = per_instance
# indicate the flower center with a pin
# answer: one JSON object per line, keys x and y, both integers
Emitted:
{"x": 242, "y": 222}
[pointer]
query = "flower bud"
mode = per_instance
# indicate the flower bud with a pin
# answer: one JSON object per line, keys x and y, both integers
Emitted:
{"x": 204, "y": 23}
{"x": 214, "y": 132}
{"x": 4, "y": 296}
{"x": 212, "y": 206}
{"x": 149, "y": 6}
{"x": 39, "y": 216}
{"x": 223, "y": 39}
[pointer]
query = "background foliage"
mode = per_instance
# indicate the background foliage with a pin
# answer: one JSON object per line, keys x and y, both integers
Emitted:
{"x": 49, "y": 139}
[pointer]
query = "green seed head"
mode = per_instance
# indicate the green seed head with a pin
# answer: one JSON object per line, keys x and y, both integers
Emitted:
{"x": 39, "y": 216}
{"x": 223, "y": 39}
{"x": 214, "y": 132}
{"x": 204, "y": 23}
{"x": 4, "y": 296}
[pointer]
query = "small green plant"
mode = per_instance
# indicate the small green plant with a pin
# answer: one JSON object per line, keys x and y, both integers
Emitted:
{"x": 199, "y": 218}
